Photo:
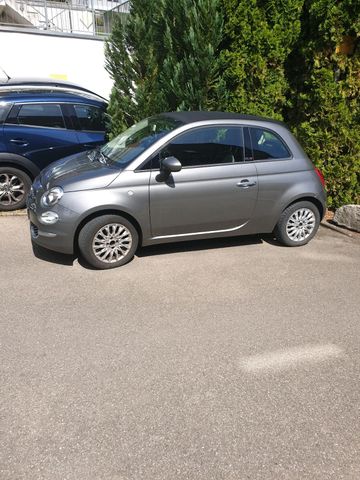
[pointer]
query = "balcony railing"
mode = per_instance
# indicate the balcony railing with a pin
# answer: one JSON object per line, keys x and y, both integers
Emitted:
{"x": 81, "y": 17}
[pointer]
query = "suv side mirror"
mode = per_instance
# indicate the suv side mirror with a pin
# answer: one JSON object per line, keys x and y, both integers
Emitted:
{"x": 170, "y": 164}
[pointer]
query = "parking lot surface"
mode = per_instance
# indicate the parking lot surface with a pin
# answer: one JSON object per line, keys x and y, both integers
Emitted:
{"x": 221, "y": 359}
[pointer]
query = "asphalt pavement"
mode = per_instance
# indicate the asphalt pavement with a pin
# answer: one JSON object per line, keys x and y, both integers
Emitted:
{"x": 226, "y": 359}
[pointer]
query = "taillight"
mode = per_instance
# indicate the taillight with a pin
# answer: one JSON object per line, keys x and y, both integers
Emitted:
{"x": 321, "y": 176}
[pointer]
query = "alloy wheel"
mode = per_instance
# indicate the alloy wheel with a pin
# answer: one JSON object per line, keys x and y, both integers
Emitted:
{"x": 300, "y": 224}
{"x": 12, "y": 189}
{"x": 111, "y": 243}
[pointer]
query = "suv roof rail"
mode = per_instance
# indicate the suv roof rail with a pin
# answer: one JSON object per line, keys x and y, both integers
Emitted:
{"x": 33, "y": 89}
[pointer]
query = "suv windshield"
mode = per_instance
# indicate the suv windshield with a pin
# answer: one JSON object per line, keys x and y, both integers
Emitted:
{"x": 124, "y": 148}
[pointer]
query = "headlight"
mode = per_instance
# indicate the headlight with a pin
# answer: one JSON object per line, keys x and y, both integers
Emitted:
{"x": 52, "y": 196}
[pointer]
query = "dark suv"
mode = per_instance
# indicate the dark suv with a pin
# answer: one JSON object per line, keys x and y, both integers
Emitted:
{"x": 40, "y": 124}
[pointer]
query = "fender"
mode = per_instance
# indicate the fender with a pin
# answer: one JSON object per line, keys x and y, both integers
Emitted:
{"x": 18, "y": 161}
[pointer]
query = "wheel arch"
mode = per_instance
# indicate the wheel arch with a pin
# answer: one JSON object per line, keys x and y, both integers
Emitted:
{"x": 19, "y": 162}
{"x": 313, "y": 200}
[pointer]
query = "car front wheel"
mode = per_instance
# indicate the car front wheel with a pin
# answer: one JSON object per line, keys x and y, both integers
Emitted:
{"x": 14, "y": 188}
{"x": 108, "y": 241}
{"x": 298, "y": 224}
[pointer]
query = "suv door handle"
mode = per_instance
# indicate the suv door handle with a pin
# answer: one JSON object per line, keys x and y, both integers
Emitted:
{"x": 20, "y": 141}
{"x": 245, "y": 183}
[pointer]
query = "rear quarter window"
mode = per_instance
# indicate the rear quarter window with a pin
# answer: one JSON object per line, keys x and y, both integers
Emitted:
{"x": 90, "y": 118}
{"x": 4, "y": 110}
{"x": 267, "y": 145}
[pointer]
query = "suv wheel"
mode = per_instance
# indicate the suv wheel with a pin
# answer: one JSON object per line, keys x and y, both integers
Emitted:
{"x": 108, "y": 241}
{"x": 298, "y": 224}
{"x": 14, "y": 188}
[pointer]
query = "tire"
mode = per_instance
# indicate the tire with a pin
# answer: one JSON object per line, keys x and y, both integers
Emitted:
{"x": 108, "y": 241}
{"x": 14, "y": 188}
{"x": 298, "y": 224}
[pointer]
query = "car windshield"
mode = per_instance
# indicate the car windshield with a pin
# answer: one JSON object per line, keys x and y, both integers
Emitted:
{"x": 124, "y": 148}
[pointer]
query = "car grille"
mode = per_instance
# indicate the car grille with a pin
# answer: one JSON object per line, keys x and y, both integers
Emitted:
{"x": 34, "y": 231}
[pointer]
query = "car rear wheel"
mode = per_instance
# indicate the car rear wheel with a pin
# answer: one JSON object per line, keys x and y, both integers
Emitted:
{"x": 108, "y": 241}
{"x": 14, "y": 188}
{"x": 298, "y": 224}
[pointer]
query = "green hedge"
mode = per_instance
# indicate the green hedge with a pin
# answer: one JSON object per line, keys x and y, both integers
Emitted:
{"x": 296, "y": 60}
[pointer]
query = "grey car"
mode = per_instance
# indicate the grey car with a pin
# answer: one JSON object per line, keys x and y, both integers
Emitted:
{"x": 178, "y": 176}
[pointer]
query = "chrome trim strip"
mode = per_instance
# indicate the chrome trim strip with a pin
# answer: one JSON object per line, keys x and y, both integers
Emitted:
{"x": 199, "y": 233}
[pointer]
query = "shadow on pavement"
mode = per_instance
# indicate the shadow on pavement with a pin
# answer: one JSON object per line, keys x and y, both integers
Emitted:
{"x": 53, "y": 257}
{"x": 161, "y": 249}
{"x": 209, "y": 244}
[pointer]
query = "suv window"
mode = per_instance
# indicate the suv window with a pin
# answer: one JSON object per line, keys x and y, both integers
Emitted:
{"x": 267, "y": 145}
{"x": 207, "y": 146}
{"x": 90, "y": 118}
{"x": 39, "y": 115}
{"x": 4, "y": 110}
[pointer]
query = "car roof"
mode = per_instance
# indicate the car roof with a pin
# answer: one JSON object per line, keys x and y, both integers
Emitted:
{"x": 36, "y": 81}
{"x": 19, "y": 84}
{"x": 45, "y": 97}
{"x": 200, "y": 116}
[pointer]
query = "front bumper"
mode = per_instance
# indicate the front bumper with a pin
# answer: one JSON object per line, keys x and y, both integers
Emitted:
{"x": 52, "y": 237}
{"x": 58, "y": 237}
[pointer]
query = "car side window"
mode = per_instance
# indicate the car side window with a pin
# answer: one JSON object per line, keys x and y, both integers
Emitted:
{"x": 267, "y": 145}
{"x": 4, "y": 110}
{"x": 40, "y": 115}
{"x": 206, "y": 146}
{"x": 90, "y": 118}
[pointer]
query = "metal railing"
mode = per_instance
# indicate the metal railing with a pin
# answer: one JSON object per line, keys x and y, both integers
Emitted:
{"x": 81, "y": 17}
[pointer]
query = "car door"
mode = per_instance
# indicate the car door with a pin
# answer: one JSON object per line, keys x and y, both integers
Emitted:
{"x": 38, "y": 131}
{"x": 214, "y": 192}
{"x": 91, "y": 125}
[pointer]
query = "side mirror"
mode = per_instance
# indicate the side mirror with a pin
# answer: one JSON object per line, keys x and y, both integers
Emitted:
{"x": 170, "y": 164}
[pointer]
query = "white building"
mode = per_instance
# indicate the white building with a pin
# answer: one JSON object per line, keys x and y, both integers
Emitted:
{"x": 58, "y": 39}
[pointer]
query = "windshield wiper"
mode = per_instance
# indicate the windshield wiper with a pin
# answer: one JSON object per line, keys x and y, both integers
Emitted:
{"x": 103, "y": 158}
{"x": 97, "y": 154}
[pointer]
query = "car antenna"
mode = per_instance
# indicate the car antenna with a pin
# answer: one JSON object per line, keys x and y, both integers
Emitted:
{"x": 9, "y": 78}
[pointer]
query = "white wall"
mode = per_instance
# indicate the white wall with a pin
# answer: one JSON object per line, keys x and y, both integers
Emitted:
{"x": 78, "y": 60}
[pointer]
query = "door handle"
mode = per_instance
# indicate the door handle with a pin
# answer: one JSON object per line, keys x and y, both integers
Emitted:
{"x": 20, "y": 141}
{"x": 245, "y": 183}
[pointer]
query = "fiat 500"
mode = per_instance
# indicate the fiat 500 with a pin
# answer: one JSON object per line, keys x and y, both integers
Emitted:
{"x": 178, "y": 176}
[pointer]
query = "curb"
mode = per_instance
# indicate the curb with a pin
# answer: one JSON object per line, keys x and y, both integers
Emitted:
{"x": 330, "y": 226}
{"x": 15, "y": 213}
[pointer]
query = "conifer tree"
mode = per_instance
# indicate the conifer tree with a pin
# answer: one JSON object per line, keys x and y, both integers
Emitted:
{"x": 132, "y": 62}
{"x": 189, "y": 69}
{"x": 164, "y": 58}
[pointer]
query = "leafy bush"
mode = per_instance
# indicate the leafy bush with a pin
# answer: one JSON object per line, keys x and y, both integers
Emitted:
{"x": 297, "y": 60}
{"x": 258, "y": 37}
{"x": 324, "y": 71}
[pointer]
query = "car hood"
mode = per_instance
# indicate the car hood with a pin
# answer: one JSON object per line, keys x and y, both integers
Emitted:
{"x": 78, "y": 172}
